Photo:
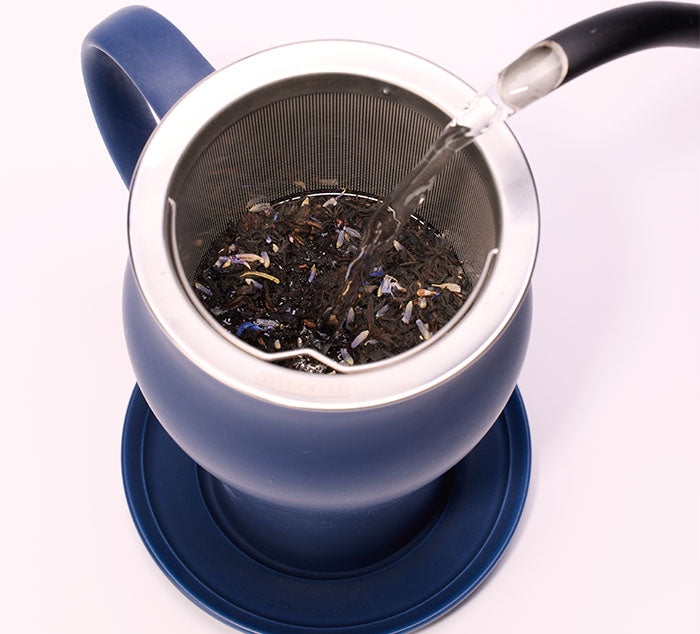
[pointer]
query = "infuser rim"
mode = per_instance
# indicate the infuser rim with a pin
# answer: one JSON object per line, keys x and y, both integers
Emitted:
{"x": 155, "y": 266}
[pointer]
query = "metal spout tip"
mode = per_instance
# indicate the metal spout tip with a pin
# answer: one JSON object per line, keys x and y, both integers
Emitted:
{"x": 536, "y": 73}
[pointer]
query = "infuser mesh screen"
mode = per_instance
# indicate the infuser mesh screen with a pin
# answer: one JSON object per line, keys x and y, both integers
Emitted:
{"x": 328, "y": 132}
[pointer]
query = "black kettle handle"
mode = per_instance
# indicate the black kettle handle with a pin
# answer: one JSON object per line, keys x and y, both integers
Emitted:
{"x": 635, "y": 27}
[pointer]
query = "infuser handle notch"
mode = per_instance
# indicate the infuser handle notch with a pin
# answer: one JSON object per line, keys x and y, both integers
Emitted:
{"x": 595, "y": 41}
{"x": 136, "y": 65}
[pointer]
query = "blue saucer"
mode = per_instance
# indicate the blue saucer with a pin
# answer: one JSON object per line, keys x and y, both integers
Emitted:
{"x": 165, "y": 492}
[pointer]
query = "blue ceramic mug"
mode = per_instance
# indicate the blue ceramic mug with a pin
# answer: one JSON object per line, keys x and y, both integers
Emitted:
{"x": 352, "y": 502}
{"x": 352, "y": 464}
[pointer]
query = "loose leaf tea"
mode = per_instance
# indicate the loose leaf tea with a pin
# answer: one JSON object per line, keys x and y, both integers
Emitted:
{"x": 272, "y": 279}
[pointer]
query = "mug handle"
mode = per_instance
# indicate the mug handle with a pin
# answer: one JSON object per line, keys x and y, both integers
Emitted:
{"x": 136, "y": 65}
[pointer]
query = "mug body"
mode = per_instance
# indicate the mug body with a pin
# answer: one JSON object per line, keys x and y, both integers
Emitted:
{"x": 333, "y": 115}
{"x": 321, "y": 458}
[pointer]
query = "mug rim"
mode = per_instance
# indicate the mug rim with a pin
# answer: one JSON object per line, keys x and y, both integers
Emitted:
{"x": 171, "y": 304}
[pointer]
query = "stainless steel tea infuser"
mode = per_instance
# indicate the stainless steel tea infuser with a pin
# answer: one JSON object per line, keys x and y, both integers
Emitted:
{"x": 281, "y": 501}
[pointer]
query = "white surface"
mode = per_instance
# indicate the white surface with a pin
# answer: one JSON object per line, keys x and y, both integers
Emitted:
{"x": 610, "y": 538}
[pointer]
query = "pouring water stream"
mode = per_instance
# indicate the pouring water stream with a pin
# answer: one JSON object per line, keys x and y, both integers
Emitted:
{"x": 531, "y": 76}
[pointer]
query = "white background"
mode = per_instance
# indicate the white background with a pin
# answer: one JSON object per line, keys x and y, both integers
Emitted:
{"x": 609, "y": 540}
